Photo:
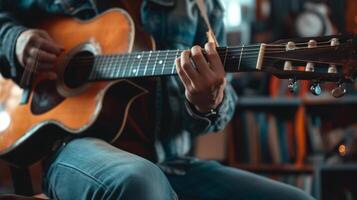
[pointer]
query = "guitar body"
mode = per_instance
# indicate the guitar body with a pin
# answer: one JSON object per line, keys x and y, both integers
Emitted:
{"x": 57, "y": 109}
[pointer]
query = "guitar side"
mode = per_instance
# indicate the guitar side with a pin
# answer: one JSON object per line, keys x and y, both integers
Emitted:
{"x": 55, "y": 111}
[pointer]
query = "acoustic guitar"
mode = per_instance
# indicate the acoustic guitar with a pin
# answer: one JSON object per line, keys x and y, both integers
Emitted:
{"x": 93, "y": 91}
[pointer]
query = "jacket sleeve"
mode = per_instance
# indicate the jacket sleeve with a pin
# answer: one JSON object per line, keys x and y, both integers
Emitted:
{"x": 10, "y": 29}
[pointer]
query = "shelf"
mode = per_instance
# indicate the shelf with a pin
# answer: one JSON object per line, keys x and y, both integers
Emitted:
{"x": 275, "y": 168}
{"x": 338, "y": 167}
{"x": 268, "y": 101}
{"x": 263, "y": 101}
{"x": 318, "y": 101}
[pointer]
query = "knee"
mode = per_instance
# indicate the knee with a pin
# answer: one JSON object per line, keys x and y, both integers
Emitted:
{"x": 144, "y": 180}
{"x": 145, "y": 173}
{"x": 294, "y": 193}
{"x": 301, "y": 195}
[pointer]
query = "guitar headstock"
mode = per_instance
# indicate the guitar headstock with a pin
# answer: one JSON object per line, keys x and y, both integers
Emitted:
{"x": 320, "y": 59}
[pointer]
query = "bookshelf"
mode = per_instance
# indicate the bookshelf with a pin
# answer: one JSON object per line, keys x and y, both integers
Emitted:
{"x": 311, "y": 120}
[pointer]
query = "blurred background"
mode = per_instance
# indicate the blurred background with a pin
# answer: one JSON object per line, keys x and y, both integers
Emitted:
{"x": 301, "y": 139}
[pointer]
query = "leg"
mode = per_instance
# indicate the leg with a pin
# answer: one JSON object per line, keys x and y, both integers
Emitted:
{"x": 210, "y": 180}
{"x": 90, "y": 168}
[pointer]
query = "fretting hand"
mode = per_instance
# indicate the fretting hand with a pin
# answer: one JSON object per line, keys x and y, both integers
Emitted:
{"x": 202, "y": 76}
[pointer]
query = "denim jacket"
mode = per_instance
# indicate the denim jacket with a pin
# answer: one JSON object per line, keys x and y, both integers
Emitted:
{"x": 174, "y": 24}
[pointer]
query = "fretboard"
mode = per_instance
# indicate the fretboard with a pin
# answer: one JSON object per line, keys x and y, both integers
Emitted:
{"x": 160, "y": 63}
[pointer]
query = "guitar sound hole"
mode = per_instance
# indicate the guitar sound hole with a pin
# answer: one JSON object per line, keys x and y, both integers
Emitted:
{"x": 78, "y": 69}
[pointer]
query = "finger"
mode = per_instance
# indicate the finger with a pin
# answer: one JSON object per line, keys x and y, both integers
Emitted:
{"x": 49, "y": 46}
{"x": 185, "y": 80}
{"x": 45, "y": 35}
{"x": 50, "y": 75}
{"x": 187, "y": 66}
{"x": 33, "y": 65}
{"x": 44, "y": 66}
{"x": 213, "y": 58}
{"x": 200, "y": 62}
{"x": 42, "y": 56}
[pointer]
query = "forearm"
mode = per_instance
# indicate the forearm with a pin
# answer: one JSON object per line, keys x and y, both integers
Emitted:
{"x": 10, "y": 29}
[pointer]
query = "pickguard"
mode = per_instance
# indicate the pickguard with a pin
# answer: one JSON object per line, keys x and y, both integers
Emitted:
{"x": 45, "y": 97}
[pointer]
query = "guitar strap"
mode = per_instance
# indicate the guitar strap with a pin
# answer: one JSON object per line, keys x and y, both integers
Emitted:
{"x": 203, "y": 10}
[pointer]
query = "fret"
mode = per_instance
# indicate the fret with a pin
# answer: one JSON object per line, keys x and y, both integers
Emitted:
{"x": 125, "y": 64}
{"x": 140, "y": 57}
{"x": 105, "y": 66}
{"x": 225, "y": 57}
{"x": 120, "y": 65}
{"x": 117, "y": 67}
{"x": 165, "y": 61}
{"x": 157, "y": 56}
{"x": 147, "y": 62}
{"x": 240, "y": 57}
{"x": 94, "y": 72}
{"x": 112, "y": 67}
{"x": 174, "y": 65}
{"x": 100, "y": 69}
{"x": 131, "y": 73}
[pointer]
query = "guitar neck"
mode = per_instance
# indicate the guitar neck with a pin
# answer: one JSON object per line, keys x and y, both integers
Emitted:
{"x": 161, "y": 63}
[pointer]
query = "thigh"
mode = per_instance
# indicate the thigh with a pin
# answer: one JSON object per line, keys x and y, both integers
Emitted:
{"x": 210, "y": 180}
{"x": 90, "y": 168}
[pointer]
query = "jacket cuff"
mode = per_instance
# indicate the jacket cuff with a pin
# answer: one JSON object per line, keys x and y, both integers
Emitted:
{"x": 210, "y": 116}
{"x": 11, "y": 36}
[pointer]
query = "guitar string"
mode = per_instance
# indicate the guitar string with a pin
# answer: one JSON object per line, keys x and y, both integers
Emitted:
{"x": 106, "y": 60}
{"x": 169, "y": 56}
{"x": 231, "y": 49}
{"x": 109, "y": 76}
{"x": 161, "y": 67}
{"x": 25, "y": 79}
{"x": 249, "y": 61}
{"x": 144, "y": 54}
{"x": 234, "y": 48}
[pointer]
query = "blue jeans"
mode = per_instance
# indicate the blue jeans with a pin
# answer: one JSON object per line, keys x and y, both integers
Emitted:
{"x": 90, "y": 168}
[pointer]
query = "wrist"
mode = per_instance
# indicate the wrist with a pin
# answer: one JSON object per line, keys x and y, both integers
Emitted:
{"x": 212, "y": 114}
{"x": 204, "y": 109}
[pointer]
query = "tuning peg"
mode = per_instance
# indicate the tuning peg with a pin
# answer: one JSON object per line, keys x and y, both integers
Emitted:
{"x": 310, "y": 66}
{"x": 315, "y": 88}
{"x": 293, "y": 86}
{"x": 332, "y": 69}
{"x": 287, "y": 64}
{"x": 339, "y": 91}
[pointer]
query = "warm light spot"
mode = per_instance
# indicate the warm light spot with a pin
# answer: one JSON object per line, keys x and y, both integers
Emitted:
{"x": 234, "y": 14}
{"x": 342, "y": 150}
{"x": 4, "y": 120}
